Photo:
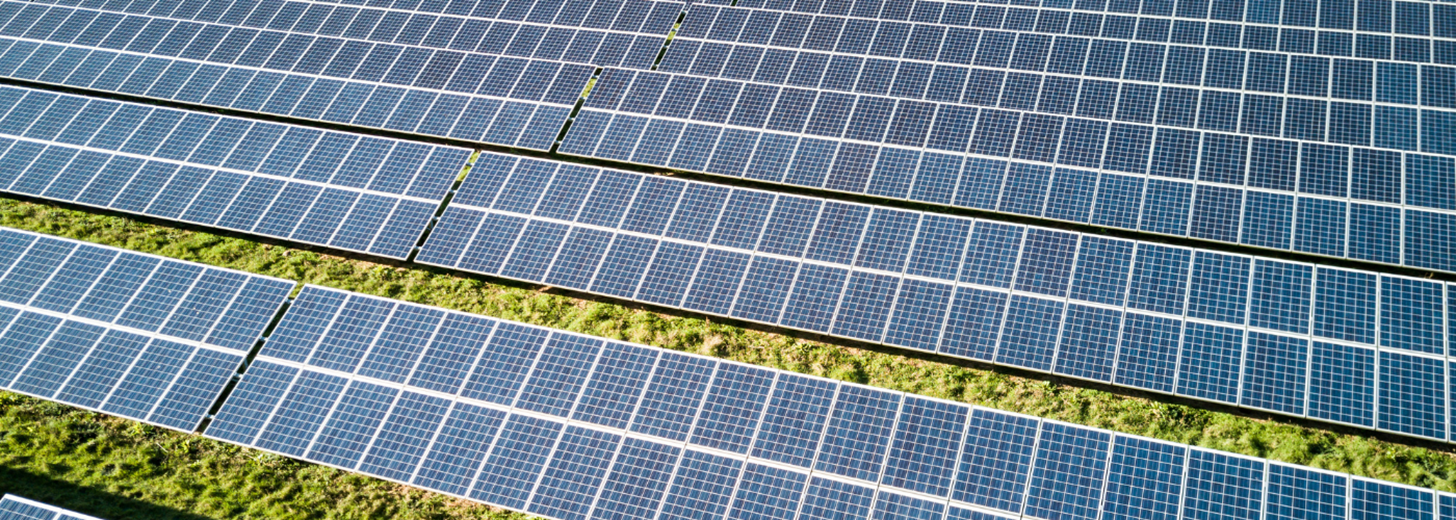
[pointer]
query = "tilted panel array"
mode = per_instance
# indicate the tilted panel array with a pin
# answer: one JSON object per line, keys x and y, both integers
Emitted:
{"x": 1191, "y": 118}
{"x": 19, "y": 508}
{"x": 571, "y": 427}
{"x": 341, "y": 190}
{"x": 1328, "y": 343}
{"x": 409, "y": 68}
{"x": 122, "y": 333}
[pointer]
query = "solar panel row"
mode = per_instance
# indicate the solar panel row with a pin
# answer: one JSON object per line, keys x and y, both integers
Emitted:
{"x": 503, "y": 100}
{"x": 1311, "y": 197}
{"x": 456, "y": 25}
{"x": 123, "y": 333}
{"x": 621, "y": 35}
{"x": 341, "y": 190}
{"x": 974, "y": 38}
{"x": 1373, "y": 232}
{"x": 571, "y": 427}
{"x": 18, "y": 508}
{"x": 1288, "y": 337}
{"x": 1121, "y": 78}
{"x": 1378, "y": 30}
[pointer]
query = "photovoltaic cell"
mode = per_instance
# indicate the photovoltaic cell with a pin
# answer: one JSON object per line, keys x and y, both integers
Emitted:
{"x": 133, "y": 335}
{"x": 363, "y": 194}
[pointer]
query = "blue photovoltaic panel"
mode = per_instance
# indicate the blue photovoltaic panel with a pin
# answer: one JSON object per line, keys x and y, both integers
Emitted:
{"x": 455, "y": 74}
{"x": 1089, "y": 307}
{"x": 1144, "y": 480}
{"x": 1301, "y": 493}
{"x": 1067, "y": 478}
{"x": 363, "y": 194}
{"x": 858, "y": 434}
{"x": 1206, "y": 120}
{"x": 1223, "y": 486}
{"x": 1003, "y": 445}
{"x": 125, "y": 333}
{"x": 923, "y": 452}
{"x": 1370, "y": 500}
{"x": 1410, "y": 390}
{"x": 18, "y": 508}
{"x": 874, "y": 453}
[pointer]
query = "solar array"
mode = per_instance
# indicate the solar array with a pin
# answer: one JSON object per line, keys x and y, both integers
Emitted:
{"x": 1326, "y": 128}
{"x": 340, "y": 190}
{"x": 1311, "y": 128}
{"x": 406, "y": 68}
{"x": 1318, "y": 132}
{"x": 18, "y": 508}
{"x": 123, "y": 333}
{"x": 570, "y": 427}
{"x": 1334, "y": 344}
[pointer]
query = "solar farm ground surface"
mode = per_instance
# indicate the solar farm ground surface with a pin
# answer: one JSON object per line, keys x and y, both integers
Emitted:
{"x": 119, "y": 469}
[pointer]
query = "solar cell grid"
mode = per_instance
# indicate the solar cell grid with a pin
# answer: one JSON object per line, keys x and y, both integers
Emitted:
{"x": 356, "y": 193}
{"x": 1067, "y": 478}
{"x": 828, "y": 499}
{"x": 1162, "y": 318}
{"x": 638, "y": 480}
{"x": 1002, "y": 445}
{"x": 1144, "y": 479}
{"x": 878, "y": 459}
{"x": 135, "y": 335}
{"x": 1223, "y": 486}
{"x": 1372, "y": 499}
{"x": 1301, "y": 493}
{"x": 1342, "y": 383}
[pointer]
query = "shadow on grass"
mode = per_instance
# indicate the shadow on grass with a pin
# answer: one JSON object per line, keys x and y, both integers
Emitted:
{"x": 85, "y": 500}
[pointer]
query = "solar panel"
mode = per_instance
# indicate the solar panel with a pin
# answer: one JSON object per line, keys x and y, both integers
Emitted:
{"x": 1294, "y": 338}
{"x": 1198, "y": 119}
{"x": 122, "y": 333}
{"x": 358, "y": 193}
{"x": 407, "y": 68}
{"x": 753, "y": 442}
{"x": 19, "y": 508}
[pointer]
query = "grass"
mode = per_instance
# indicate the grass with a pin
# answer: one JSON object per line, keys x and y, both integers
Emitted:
{"x": 120, "y": 469}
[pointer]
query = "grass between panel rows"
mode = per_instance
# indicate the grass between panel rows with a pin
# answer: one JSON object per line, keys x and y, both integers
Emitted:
{"x": 120, "y": 469}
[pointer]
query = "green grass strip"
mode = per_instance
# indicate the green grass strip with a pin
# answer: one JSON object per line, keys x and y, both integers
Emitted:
{"x": 120, "y": 469}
